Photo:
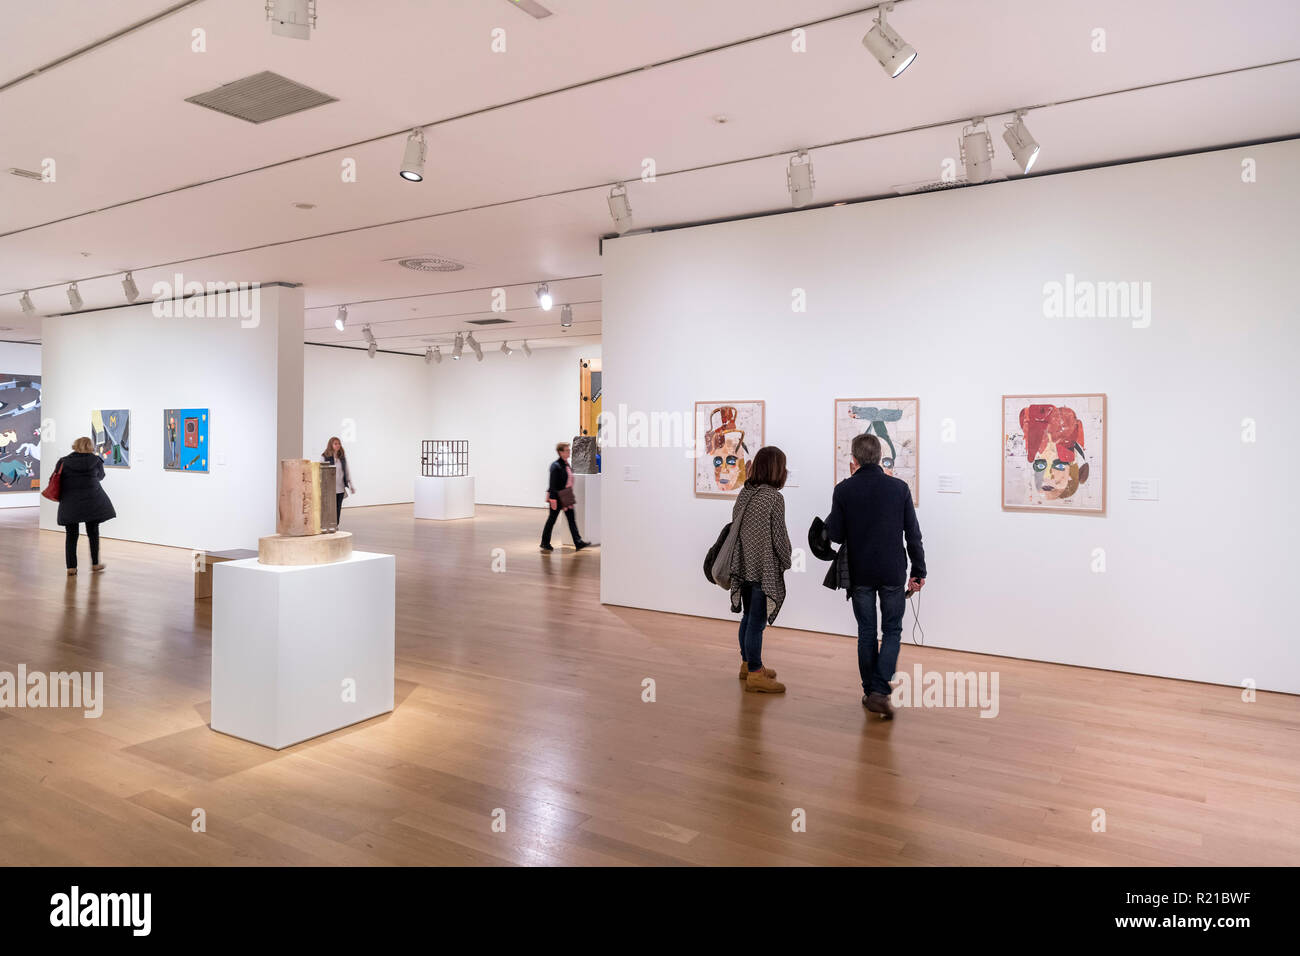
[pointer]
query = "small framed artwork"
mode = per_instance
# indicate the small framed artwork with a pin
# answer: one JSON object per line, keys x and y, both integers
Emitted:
{"x": 185, "y": 439}
{"x": 1054, "y": 453}
{"x": 110, "y": 430}
{"x": 894, "y": 422}
{"x": 727, "y": 436}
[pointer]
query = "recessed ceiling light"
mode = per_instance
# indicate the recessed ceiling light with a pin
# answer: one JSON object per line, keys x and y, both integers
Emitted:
{"x": 722, "y": 119}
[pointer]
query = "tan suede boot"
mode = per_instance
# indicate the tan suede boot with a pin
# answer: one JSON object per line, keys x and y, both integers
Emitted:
{"x": 744, "y": 671}
{"x": 759, "y": 683}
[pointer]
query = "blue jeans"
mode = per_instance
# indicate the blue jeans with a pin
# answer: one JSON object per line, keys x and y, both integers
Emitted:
{"x": 753, "y": 619}
{"x": 877, "y": 667}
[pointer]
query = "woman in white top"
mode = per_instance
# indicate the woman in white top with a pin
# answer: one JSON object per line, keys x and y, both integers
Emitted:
{"x": 334, "y": 455}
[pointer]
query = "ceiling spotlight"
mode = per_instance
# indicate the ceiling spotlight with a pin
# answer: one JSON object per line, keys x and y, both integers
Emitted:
{"x": 74, "y": 297}
{"x": 620, "y": 208}
{"x": 413, "y": 158}
{"x": 458, "y": 348}
{"x": 428, "y": 356}
{"x": 799, "y": 179}
{"x": 544, "y": 297}
{"x": 437, "y": 355}
{"x": 474, "y": 346}
{"x": 527, "y": 351}
{"x": 341, "y": 320}
{"x": 368, "y": 335}
{"x": 894, "y": 53}
{"x": 292, "y": 18}
{"x": 372, "y": 348}
{"x": 25, "y": 302}
{"x": 566, "y": 317}
{"x": 977, "y": 151}
{"x": 505, "y": 347}
{"x": 130, "y": 289}
{"x": 1023, "y": 146}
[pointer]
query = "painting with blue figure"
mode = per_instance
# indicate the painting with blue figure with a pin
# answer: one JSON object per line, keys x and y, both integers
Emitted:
{"x": 20, "y": 432}
{"x": 185, "y": 439}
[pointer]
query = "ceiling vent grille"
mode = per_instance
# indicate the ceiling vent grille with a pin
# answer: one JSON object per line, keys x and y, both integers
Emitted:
{"x": 431, "y": 264}
{"x": 261, "y": 97}
{"x": 489, "y": 321}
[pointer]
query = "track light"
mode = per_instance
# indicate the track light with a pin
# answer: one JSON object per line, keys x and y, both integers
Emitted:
{"x": 372, "y": 348}
{"x": 977, "y": 151}
{"x": 505, "y": 347}
{"x": 474, "y": 346}
{"x": 437, "y": 355}
{"x": 414, "y": 156}
{"x": 894, "y": 53}
{"x": 25, "y": 302}
{"x": 130, "y": 289}
{"x": 428, "y": 356}
{"x": 292, "y": 18}
{"x": 341, "y": 320}
{"x": 566, "y": 317}
{"x": 544, "y": 297}
{"x": 74, "y": 298}
{"x": 458, "y": 348}
{"x": 799, "y": 179}
{"x": 620, "y": 208}
{"x": 368, "y": 335}
{"x": 1023, "y": 146}
{"x": 527, "y": 351}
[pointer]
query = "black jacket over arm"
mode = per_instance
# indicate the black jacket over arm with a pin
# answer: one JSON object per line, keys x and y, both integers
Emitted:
{"x": 872, "y": 512}
{"x": 559, "y": 477}
{"x": 80, "y": 497}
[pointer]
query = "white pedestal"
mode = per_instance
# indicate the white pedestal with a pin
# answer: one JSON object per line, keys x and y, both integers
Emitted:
{"x": 285, "y": 639}
{"x": 586, "y": 508}
{"x": 444, "y": 498}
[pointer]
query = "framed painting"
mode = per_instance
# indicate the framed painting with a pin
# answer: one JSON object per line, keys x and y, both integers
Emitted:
{"x": 727, "y": 436}
{"x": 1054, "y": 453}
{"x": 110, "y": 430}
{"x": 894, "y": 421}
{"x": 185, "y": 439}
{"x": 20, "y": 432}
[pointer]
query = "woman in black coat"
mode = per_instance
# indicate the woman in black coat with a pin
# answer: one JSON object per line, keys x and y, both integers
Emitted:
{"x": 82, "y": 500}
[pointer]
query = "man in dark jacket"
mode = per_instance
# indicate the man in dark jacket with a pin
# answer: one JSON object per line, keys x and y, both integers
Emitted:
{"x": 561, "y": 480}
{"x": 871, "y": 512}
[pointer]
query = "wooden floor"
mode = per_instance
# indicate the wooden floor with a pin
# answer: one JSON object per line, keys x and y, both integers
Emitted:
{"x": 519, "y": 691}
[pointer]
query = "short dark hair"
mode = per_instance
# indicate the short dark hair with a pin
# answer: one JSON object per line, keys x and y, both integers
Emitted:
{"x": 866, "y": 450}
{"x": 768, "y": 468}
{"x": 560, "y": 446}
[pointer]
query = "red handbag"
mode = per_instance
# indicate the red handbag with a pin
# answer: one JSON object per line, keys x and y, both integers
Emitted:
{"x": 53, "y": 488}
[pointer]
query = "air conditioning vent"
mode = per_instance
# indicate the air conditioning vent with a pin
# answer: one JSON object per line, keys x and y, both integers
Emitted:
{"x": 431, "y": 264}
{"x": 489, "y": 321}
{"x": 261, "y": 97}
{"x": 531, "y": 7}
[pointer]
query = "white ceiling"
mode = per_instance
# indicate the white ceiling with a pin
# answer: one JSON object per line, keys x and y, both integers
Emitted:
{"x": 517, "y": 193}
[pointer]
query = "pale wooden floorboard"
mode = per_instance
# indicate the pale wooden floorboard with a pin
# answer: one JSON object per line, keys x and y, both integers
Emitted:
{"x": 519, "y": 691}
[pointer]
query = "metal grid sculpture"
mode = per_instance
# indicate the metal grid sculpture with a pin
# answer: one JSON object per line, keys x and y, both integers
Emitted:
{"x": 444, "y": 459}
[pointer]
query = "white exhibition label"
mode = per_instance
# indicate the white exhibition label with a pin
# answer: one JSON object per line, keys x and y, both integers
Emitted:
{"x": 1144, "y": 489}
{"x": 950, "y": 484}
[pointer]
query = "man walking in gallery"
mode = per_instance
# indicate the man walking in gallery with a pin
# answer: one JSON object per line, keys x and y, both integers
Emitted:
{"x": 559, "y": 497}
{"x": 871, "y": 514}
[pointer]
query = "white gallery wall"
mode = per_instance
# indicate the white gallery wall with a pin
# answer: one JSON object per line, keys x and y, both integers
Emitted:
{"x": 250, "y": 379}
{"x": 513, "y": 409}
{"x": 941, "y": 296}
{"x": 380, "y": 408}
{"x": 23, "y": 359}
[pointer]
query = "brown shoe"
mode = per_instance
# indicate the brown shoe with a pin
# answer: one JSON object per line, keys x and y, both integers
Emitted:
{"x": 98, "y": 567}
{"x": 72, "y": 572}
{"x": 879, "y": 704}
{"x": 744, "y": 671}
{"x": 759, "y": 683}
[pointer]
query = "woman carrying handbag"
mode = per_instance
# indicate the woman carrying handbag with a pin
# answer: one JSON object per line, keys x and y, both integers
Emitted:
{"x": 75, "y": 486}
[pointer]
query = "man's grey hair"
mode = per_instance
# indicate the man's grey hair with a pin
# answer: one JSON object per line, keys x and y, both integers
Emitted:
{"x": 866, "y": 450}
